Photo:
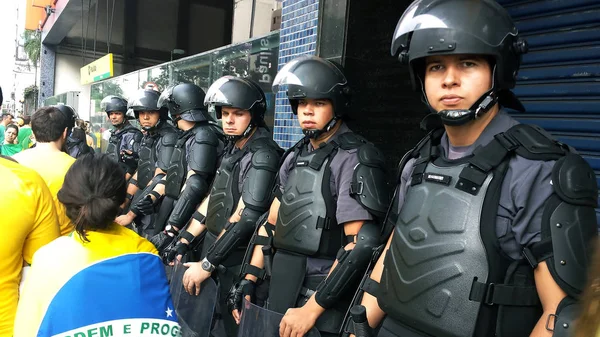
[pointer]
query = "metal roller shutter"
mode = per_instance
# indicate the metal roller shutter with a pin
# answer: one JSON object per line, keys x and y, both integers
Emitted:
{"x": 559, "y": 81}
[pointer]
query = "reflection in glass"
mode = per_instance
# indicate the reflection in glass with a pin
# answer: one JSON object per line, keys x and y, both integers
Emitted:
{"x": 256, "y": 59}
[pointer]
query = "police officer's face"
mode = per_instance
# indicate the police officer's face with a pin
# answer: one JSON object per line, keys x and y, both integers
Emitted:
{"x": 314, "y": 114}
{"x": 149, "y": 119}
{"x": 454, "y": 82}
{"x": 116, "y": 117}
{"x": 235, "y": 121}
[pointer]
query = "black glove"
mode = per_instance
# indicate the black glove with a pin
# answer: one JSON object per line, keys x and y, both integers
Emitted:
{"x": 163, "y": 239}
{"x": 173, "y": 249}
{"x": 130, "y": 160}
{"x": 237, "y": 293}
{"x": 146, "y": 204}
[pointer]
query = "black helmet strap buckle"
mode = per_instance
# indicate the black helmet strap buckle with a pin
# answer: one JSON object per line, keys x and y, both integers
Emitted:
{"x": 245, "y": 134}
{"x": 314, "y": 134}
{"x": 462, "y": 116}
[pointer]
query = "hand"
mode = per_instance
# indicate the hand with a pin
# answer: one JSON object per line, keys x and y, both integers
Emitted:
{"x": 161, "y": 241}
{"x": 124, "y": 220}
{"x": 242, "y": 289}
{"x": 193, "y": 277}
{"x": 129, "y": 158}
{"x": 297, "y": 322}
{"x": 146, "y": 205}
{"x": 176, "y": 249}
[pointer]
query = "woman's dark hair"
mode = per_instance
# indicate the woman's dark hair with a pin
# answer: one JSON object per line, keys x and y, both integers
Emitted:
{"x": 78, "y": 133}
{"x": 92, "y": 192}
{"x": 588, "y": 324}
{"x": 12, "y": 126}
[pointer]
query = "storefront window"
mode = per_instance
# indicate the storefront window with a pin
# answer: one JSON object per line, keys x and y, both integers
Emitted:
{"x": 256, "y": 59}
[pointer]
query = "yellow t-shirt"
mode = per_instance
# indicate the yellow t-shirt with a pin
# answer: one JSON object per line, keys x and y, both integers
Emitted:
{"x": 52, "y": 166}
{"x": 27, "y": 221}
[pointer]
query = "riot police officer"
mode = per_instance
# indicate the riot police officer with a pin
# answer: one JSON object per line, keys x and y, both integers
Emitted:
{"x": 74, "y": 146}
{"x": 241, "y": 191}
{"x": 156, "y": 147}
{"x": 125, "y": 139}
{"x": 193, "y": 163}
{"x": 323, "y": 226}
{"x": 494, "y": 217}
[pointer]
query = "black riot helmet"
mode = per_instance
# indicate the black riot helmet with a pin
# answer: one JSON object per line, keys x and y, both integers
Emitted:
{"x": 453, "y": 27}
{"x": 315, "y": 78}
{"x": 70, "y": 114}
{"x": 115, "y": 104}
{"x": 146, "y": 100}
{"x": 242, "y": 93}
{"x": 184, "y": 101}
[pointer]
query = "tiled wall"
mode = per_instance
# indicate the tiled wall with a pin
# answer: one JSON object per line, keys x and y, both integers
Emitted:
{"x": 298, "y": 36}
{"x": 47, "y": 65}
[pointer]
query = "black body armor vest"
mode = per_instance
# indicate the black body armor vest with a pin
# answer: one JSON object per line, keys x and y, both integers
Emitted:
{"x": 114, "y": 142}
{"x": 445, "y": 273}
{"x": 178, "y": 166}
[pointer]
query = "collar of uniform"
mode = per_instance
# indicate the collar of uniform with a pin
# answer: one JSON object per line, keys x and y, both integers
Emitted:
{"x": 500, "y": 123}
{"x": 341, "y": 130}
{"x": 260, "y": 132}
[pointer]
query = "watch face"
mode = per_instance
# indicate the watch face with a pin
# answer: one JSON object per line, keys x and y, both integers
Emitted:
{"x": 168, "y": 228}
{"x": 206, "y": 265}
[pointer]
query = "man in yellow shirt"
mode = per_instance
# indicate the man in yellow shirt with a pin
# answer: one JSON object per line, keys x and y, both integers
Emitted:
{"x": 50, "y": 127}
{"x": 28, "y": 221}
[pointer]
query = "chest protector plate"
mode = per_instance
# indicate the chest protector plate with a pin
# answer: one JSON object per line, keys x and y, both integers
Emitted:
{"x": 146, "y": 163}
{"x": 224, "y": 193}
{"x": 436, "y": 254}
{"x": 177, "y": 170}
{"x": 112, "y": 150}
{"x": 306, "y": 222}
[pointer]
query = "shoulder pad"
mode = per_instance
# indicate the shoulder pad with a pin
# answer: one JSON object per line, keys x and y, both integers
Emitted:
{"x": 575, "y": 181}
{"x": 266, "y": 159}
{"x": 534, "y": 143}
{"x": 371, "y": 156}
{"x": 265, "y": 142}
{"x": 206, "y": 136}
{"x": 350, "y": 140}
{"x": 169, "y": 139}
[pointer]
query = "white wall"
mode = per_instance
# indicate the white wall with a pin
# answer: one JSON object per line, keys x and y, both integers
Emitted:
{"x": 67, "y": 78}
{"x": 262, "y": 20}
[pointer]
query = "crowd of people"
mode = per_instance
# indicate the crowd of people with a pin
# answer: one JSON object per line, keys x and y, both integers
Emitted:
{"x": 194, "y": 228}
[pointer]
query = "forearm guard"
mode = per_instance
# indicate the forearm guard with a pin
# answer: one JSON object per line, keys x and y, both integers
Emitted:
{"x": 195, "y": 190}
{"x": 351, "y": 266}
{"x": 237, "y": 234}
{"x": 157, "y": 178}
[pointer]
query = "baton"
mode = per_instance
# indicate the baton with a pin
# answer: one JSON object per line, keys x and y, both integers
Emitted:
{"x": 268, "y": 258}
{"x": 361, "y": 325}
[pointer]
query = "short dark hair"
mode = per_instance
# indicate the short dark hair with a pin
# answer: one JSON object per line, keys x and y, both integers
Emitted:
{"x": 12, "y": 126}
{"x": 26, "y": 120}
{"x": 93, "y": 190}
{"x": 48, "y": 124}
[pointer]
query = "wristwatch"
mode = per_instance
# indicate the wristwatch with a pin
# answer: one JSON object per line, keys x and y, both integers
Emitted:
{"x": 207, "y": 266}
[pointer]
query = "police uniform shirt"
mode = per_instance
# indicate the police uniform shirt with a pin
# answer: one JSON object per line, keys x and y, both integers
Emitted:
{"x": 525, "y": 189}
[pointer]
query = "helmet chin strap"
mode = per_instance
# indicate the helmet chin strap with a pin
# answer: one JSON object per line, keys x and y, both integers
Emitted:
{"x": 245, "y": 134}
{"x": 314, "y": 134}
{"x": 457, "y": 117}
{"x": 152, "y": 128}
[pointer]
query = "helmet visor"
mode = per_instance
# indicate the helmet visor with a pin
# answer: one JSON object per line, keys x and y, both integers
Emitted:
{"x": 484, "y": 19}
{"x": 113, "y": 102}
{"x": 165, "y": 98}
{"x": 308, "y": 76}
{"x": 143, "y": 100}
{"x": 216, "y": 94}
